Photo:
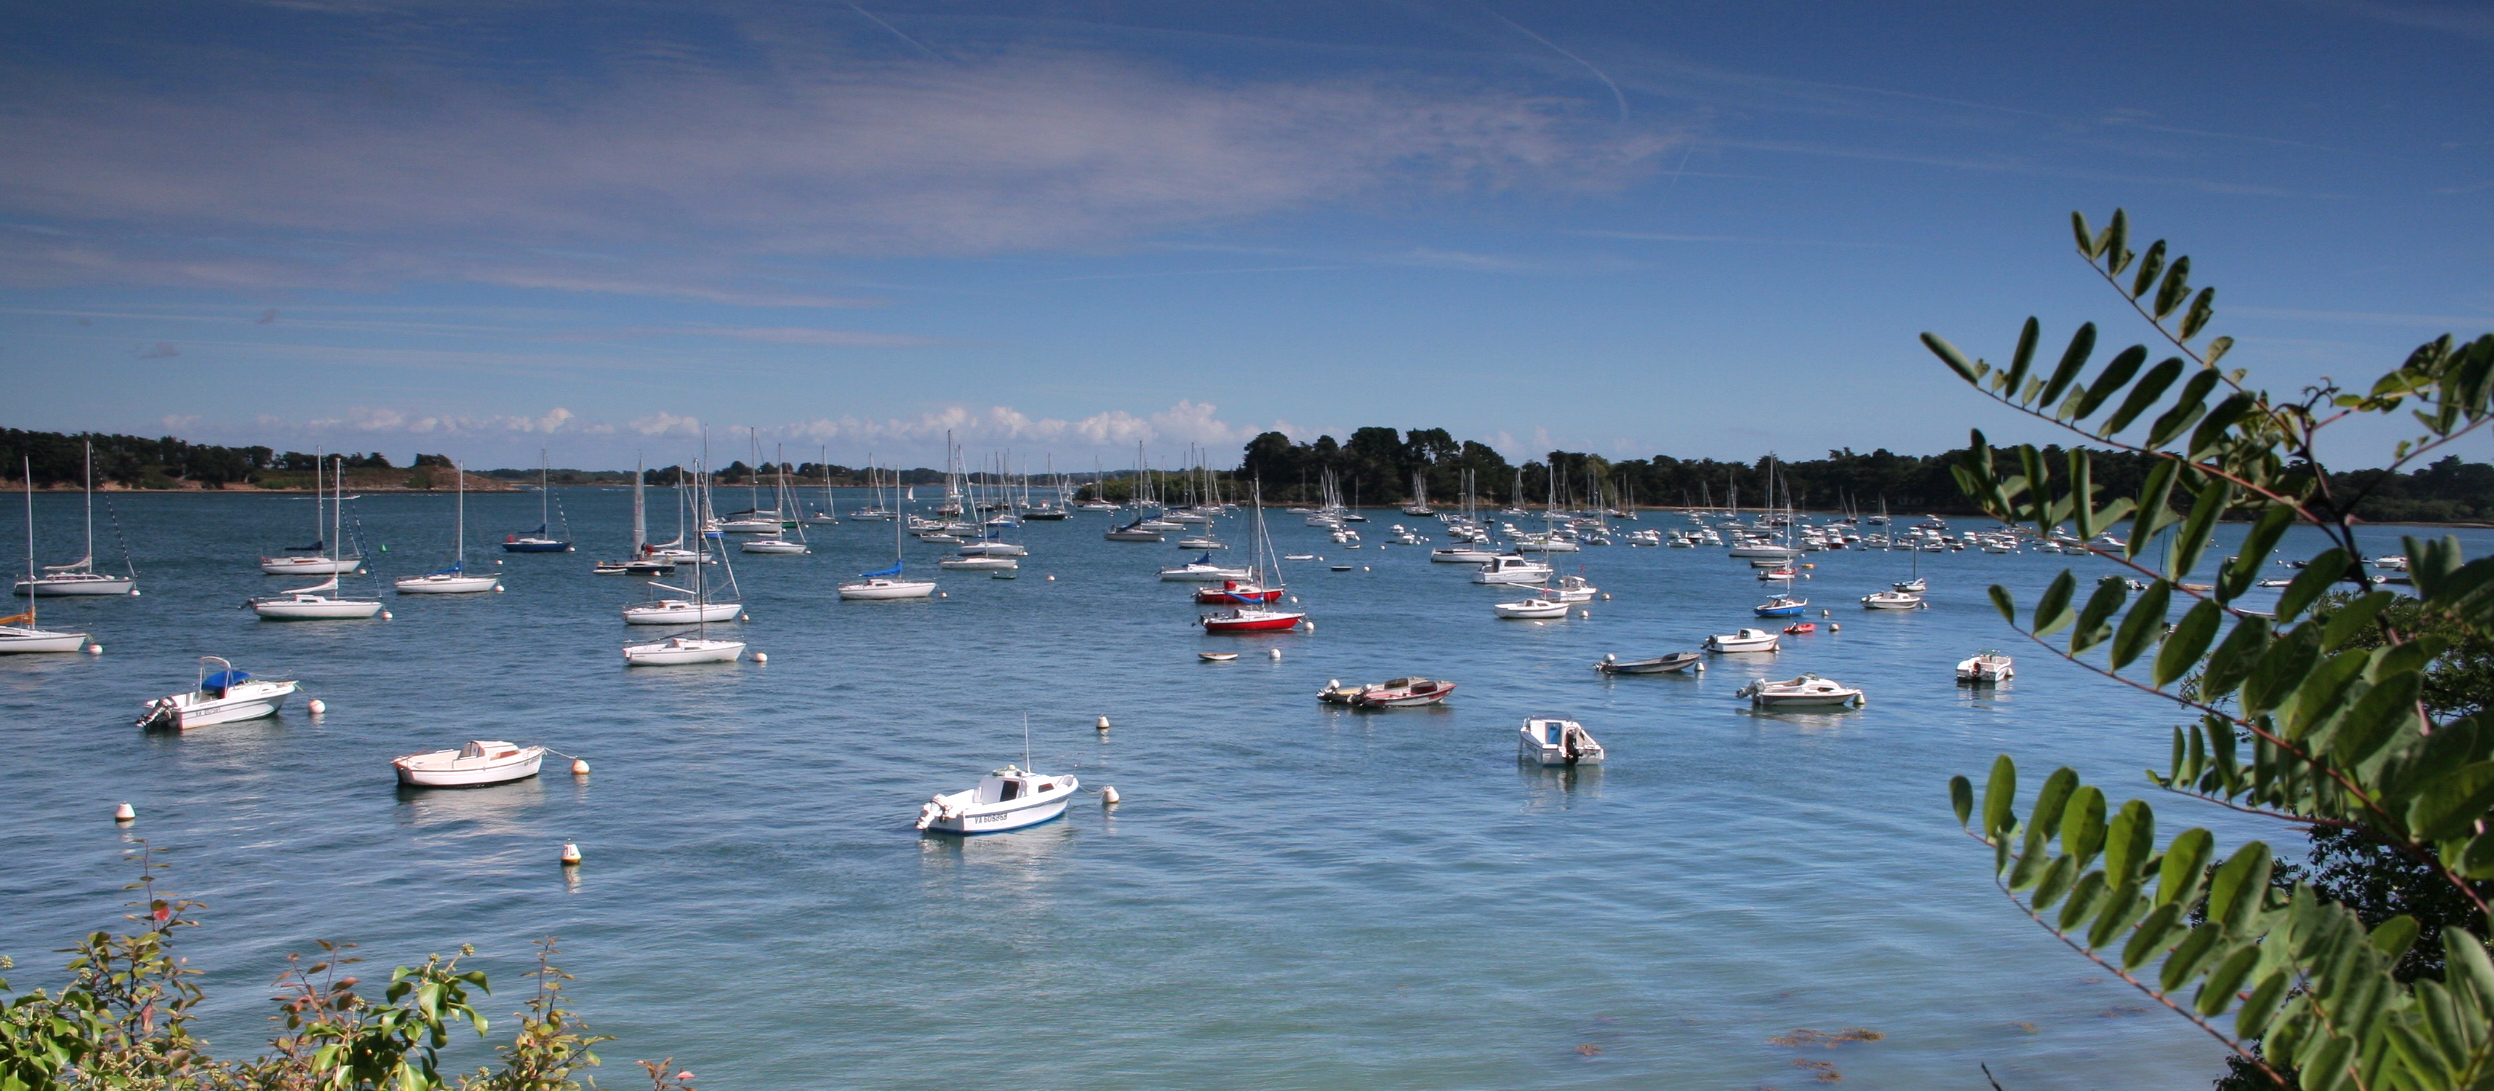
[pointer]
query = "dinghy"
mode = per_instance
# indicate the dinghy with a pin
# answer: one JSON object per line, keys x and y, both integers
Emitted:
{"x": 1007, "y": 799}
{"x": 1746, "y": 640}
{"x": 479, "y": 763}
{"x": 1557, "y": 742}
{"x": 224, "y": 695}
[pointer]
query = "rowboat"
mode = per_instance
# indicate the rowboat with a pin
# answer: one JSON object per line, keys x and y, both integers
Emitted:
{"x": 1403, "y": 693}
{"x": 1661, "y": 664}
{"x": 479, "y": 763}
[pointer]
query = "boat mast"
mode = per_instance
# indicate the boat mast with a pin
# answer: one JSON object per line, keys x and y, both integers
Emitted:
{"x": 90, "y": 561}
{"x": 640, "y": 509}
{"x": 27, "y": 464}
{"x": 459, "y": 563}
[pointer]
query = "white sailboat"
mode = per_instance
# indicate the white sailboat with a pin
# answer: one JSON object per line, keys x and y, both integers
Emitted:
{"x": 828, "y": 516}
{"x": 698, "y": 609}
{"x": 888, "y": 583}
{"x": 321, "y": 601}
{"x": 453, "y": 580}
{"x": 19, "y": 632}
{"x": 79, "y": 577}
{"x": 641, "y": 563}
{"x": 314, "y": 559}
{"x": 681, "y": 649}
{"x": 776, "y": 541}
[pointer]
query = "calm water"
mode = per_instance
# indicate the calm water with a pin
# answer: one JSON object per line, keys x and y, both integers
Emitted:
{"x": 1291, "y": 896}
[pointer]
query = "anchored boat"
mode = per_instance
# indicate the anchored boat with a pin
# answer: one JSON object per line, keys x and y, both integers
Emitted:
{"x": 223, "y": 696}
{"x": 1807, "y": 691}
{"x": 1557, "y": 742}
{"x": 479, "y": 763}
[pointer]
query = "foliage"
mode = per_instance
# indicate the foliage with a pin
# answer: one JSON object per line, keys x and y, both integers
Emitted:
{"x": 123, "y": 1021}
{"x": 2312, "y": 717}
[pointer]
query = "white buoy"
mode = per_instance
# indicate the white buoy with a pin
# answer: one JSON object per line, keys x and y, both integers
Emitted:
{"x": 125, "y": 813}
{"x": 1102, "y": 725}
{"x": 1308, "y": 624}
{"x": 1606, "y": 596}
{"x": 1051, "y": 579}
{"x": 1108, "y": 796}
{"x": 1835, "y": 627}
{"x": 1277, "y": 652}
{"x": 95, "y": 649}
{"x": 498, "y": 589}
{"x": 1294, "y": 600}
{"x": 1827, "y": 613}
{"x": 580, "y": 767}
{"x": 316, "y": 706}
{"x": 134, "y": 592}
{"x": 571, "y": 854}
{"x": 386, "y": 615}
{"x": 1586, "y": 615}
{"x": 942, "y": 595}
{"x": 758, "y": 657}
{"x": 1363, "y": 568}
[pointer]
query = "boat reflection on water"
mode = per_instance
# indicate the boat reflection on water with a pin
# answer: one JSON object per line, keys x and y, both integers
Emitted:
{"x": 1558, "y": 787}
{"x": 1012, "y": 864}
{"x": 1810, "y": 720}
{"x": 498, "y": 809}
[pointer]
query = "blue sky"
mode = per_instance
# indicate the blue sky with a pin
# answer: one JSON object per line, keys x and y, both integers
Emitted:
{"x": 1632, "y": 228}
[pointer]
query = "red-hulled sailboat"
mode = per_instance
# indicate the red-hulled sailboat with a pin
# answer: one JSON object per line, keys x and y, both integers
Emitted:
{"x": 1238, "y": 592}
{"x": 1257, "y": 617}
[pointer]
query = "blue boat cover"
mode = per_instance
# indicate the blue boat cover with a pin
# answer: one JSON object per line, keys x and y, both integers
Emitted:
{"x": 892, "y": 571}
{"x": 312, "y": 548}
{"x": 224, "y": 679}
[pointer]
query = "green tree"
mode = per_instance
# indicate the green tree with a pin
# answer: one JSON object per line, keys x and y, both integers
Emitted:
{"x": 2312, "y": 717}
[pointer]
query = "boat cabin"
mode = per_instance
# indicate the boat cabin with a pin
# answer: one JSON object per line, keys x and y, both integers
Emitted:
{"x": 1008, "y": 784}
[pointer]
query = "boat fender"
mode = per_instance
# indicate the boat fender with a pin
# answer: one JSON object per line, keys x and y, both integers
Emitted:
{"x": 125, "y": 813}
{"x": 316, "y": 706}
{"x": 571, "y": 854}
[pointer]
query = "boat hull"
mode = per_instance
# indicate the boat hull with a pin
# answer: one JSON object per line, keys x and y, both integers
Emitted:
{"x": 1202, "y": 575}
{"x": 1252, "y": 622}
{"x": 447, "y": 585}
{"x": 319, "y": 610}
{"x": 17, "y": 639}
{"x": 1001, "y": 819}
{"x": 249, "y": 701}
{"x": 774, "y": 547}
{"x": 311, "y": 566}
{"x": 536, "y": 546}
{"x": 669, "y": 653}
{"x": 416, "y": 772}
{"x": 883, "y": 590}
{"x": 681, "y": 615}
{"x": 1668, "y": 664}
{"x": 61, "y": 587}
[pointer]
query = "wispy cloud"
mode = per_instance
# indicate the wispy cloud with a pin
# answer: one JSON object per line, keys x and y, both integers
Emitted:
{"x": 159, "y": 351}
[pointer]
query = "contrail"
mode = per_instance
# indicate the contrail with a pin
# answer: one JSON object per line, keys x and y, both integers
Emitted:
{"x": 896, "y": 32}
{"x": 1597, "y": 73}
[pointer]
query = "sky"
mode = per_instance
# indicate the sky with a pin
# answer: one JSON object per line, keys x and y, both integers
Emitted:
{"x": 612, "y": 230}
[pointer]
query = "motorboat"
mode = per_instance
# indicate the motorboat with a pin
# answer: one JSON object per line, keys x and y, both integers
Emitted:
{"x": 313, "y": 603}
{"x": 1403, "y": 693}
{"x": 1985, "y": 668}
{"x": 479, "y": 763}
{"x": 1557, "y": 742}
{"x": 676, "y": 650}
{"x": 455, "y": 579}
{"x": 1745, "y": 640}
{"x": 1237, "y": 591}
{"x": 223, "y": 695}
{"x": 79, "y": 577}
{"x": 1532, "y": 608}
{"x": 1782, "y": 606}
{"x": 1217, "y": 657}
{"x": 1569, "y": 589}
{"x": 1134, "y": 532}
{"x": 1007, "y": 799}
{"x": 1202, "y": 570}
{"x": 1512, "y": 568}
{"x": 1807, "y": 691}
{"x": 1801, "y": 628}
{"x": 980, "y": 562}
{"x": 683, "y": 611}
{"x": 1672, "y": 663}
{"x": 1894, "y": 600}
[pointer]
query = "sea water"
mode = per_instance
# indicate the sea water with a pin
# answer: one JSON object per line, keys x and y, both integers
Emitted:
{"x": 1291, "y": 894}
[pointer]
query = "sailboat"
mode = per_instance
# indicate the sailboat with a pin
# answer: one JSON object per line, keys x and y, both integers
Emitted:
{"x": 537, "y": 541}
{"x": 776, "y": 540}
{"x": 641, "y": 563}
{"x": 453, "y": 580}
{"x": 698, "y": 609}
{"x": 1258, "y": 617}
{"x": 681, "y": 649}
{"x": 674, "y": 552}
{"x": 18, "y": 632}
{"x": 827, "y": 516}
{"x": 79, "y": 577}
{"x": 314, "y": 559}
{"x": 888, "y": 583}
{"x": 319, "y": 602}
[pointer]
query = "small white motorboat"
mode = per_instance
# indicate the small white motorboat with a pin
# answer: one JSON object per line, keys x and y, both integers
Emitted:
{"x": 1807, "y": 691}
{"x": 1746, "y": 640}
{"x": 1007, "y": 799}
{"x": 1986, "y": 668}
{"x": 677, "y": 650}
{"x": 1512, "y": 568}
{"x": 1894, "y": 600}
{"x": 1557, "y": 742}
{"x": 1532, "y": 608}
{"x": 223, "y": 696}
{"x": 479, "y": 763}
{"x": 1570, "y": 589}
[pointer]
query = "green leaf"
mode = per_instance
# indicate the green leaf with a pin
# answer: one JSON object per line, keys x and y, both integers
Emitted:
{"x": 2185, "y": 859}
{"x": 2393, "y": 937}
{"x": 2327, "y": 568}
{"x": 2084, "y": 898}
{"x": 2353, "y": 618}
{"x": 2216, "y": 351}
{"x": 2467, "y": 964}
{"x": 2150, "y": 387}
{"x": 2237, "y": 576}
{"x": 2093, "y": 619}
{"x": 2054, "y": 882}
{"x": 2082, "y": 345}
{"x": 2083, "y": 493}
{"x": 2376, "y": 718}
{"x": 2023, "y": 359}
{"x": 1961, "y": 797}
{"x": 2153, "y": 513}
{"x": 2130, "y": 842}
{"x": 2203, "y": 308}
{"x": 2213, "y": 499}
{"x": 2261, "y": 1005}
{"x": 2234, "y": 658}
{"x": 2116, "y": 374}
{"x": 2477, "y": 861}
{"x": 2116, "y": 252}
{"x": 2218, "y": 992}
{"x": 2186, "y": 410}
{"x": 2195, "y": 951}
{"x": 2190, "y": 638}
{"x": 2177, "y": 287}
{"x": 2140, "y": 627}
{"x": 2153, "y": 935}
{"x": 2052, "y": 612}
{"x": 2121, "y": 907}
{"x": 2050, "y": 802}
{"x": 2281, "y": 667}
{"x": 2086, "y": 238}
{"x": 2450, "y": 805}
{"x": 2241, "y": 882}
{"x": 2150, "y": 264}
{"x": 1999, "y": 792}
{"x": 1949, "y": 355}
{"x": 2007, "y": 606}
{"x": 2235, "y": 407}
{"x": 2082, "y": 824}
